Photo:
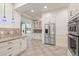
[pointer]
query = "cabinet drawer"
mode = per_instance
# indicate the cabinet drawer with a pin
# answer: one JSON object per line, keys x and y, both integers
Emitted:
{"x": 11, "y": 50}
{"x": 13, "y": 42}
{"x": 15, "y": 51}
{"x": 4, "y": 44}
{"x": 7, "y": 48}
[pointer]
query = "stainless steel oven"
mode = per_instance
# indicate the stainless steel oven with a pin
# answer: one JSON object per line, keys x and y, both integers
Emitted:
{"x": 73, "y": 44}
{"x": 73, "y": 35}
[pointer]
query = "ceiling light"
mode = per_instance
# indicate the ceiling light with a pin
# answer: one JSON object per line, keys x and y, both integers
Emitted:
{"x": 32, "y": 10}
{"x": 45, "y": 6}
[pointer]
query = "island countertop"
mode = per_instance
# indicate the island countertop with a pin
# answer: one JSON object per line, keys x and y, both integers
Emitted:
{"x": 4, "y": 39}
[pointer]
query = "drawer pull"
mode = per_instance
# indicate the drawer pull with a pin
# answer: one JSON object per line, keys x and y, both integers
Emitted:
{"x": 9, "y": 48}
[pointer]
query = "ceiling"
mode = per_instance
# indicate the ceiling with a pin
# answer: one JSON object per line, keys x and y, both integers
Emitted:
{"x": 39, "y": 9}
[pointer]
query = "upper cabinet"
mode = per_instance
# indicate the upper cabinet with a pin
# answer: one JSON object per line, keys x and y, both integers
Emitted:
{"x": 37, "y": 24}
{"x": 73, "y": 9}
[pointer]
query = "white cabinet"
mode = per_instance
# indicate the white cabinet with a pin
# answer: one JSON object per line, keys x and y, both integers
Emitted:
{"x": 10, "y": 48}
{"x": 36, "y": 24}
{"x": 37, "y": 36}
{"x": 13, "y": 47}
{"x": 23, "y": 44}
{"x": 37, "y": 29}
{"x": 16, "y": 47}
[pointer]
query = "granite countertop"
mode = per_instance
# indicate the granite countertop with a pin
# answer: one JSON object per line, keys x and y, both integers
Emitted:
{"x": 4, "y": 39}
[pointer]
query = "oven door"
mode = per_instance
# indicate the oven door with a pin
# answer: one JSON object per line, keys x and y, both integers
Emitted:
{"x": 72, "y": 28}
{"x": 73, "y": 44}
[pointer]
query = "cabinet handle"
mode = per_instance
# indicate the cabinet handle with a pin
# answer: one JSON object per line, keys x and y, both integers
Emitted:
{"x": 9, "y": 48}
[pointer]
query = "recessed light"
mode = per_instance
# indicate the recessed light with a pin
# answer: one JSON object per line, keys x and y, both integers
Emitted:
{"x": 45, "y": 6}
{"x": 32, "y": 10}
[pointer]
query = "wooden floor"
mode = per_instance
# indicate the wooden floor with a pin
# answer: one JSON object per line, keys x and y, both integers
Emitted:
{"x": 39, "y": 49}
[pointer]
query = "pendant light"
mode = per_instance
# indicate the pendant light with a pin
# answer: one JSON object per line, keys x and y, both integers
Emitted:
{"x": 12, "y": 13}
{"x": 4, "y": 17}
{"x": 4, "y": 11}
{"x": 13, "y": 20}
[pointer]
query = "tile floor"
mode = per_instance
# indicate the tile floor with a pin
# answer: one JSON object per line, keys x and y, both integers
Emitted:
{"x": 39, "y": 49}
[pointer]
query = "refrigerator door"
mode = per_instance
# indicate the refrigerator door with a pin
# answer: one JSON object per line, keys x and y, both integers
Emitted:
{"x": 52, "y": 33}
{"x": 46, "y": 33}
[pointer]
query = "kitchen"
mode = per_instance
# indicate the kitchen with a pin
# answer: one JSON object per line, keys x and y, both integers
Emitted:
{"x": 38, "y": 29}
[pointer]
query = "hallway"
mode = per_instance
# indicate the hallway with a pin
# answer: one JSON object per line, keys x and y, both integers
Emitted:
{"x": 38, "y": 49}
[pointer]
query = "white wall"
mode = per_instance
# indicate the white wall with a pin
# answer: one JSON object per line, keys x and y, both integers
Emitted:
{"x": 61, "y": 16}
{"x": 61, "y": 27}
{"x": 8, "y": 13}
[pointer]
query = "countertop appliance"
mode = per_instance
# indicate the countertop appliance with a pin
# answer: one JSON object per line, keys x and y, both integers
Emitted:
{"x": 49, "y": 36}
{"x": 73, "y": 35}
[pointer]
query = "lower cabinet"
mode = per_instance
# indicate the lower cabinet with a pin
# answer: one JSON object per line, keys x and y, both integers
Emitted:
{"x": 37, "y": 36}
{"x": 23, "y": 44}
{"x": 12, "y": 48}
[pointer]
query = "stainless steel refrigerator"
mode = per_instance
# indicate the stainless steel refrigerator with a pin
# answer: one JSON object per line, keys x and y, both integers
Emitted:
{"x": 49, "y": 34}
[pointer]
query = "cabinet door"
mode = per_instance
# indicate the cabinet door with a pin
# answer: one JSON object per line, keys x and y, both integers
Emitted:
{"x": 40, "y": 36}
{"x": 16, "y": 47}
{"x": 23, "y": 44}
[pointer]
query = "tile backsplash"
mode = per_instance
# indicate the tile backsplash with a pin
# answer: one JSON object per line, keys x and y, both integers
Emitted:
{"x": 8, "y": 32}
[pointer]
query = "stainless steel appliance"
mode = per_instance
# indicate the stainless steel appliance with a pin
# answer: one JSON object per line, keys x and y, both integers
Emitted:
{"x": 23, "y": 29}
{"x": 73, "y": 44}
{"x": 49, "y": 37}
{"x": 73, "y": 26}
{"x": 73, "y": 35}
